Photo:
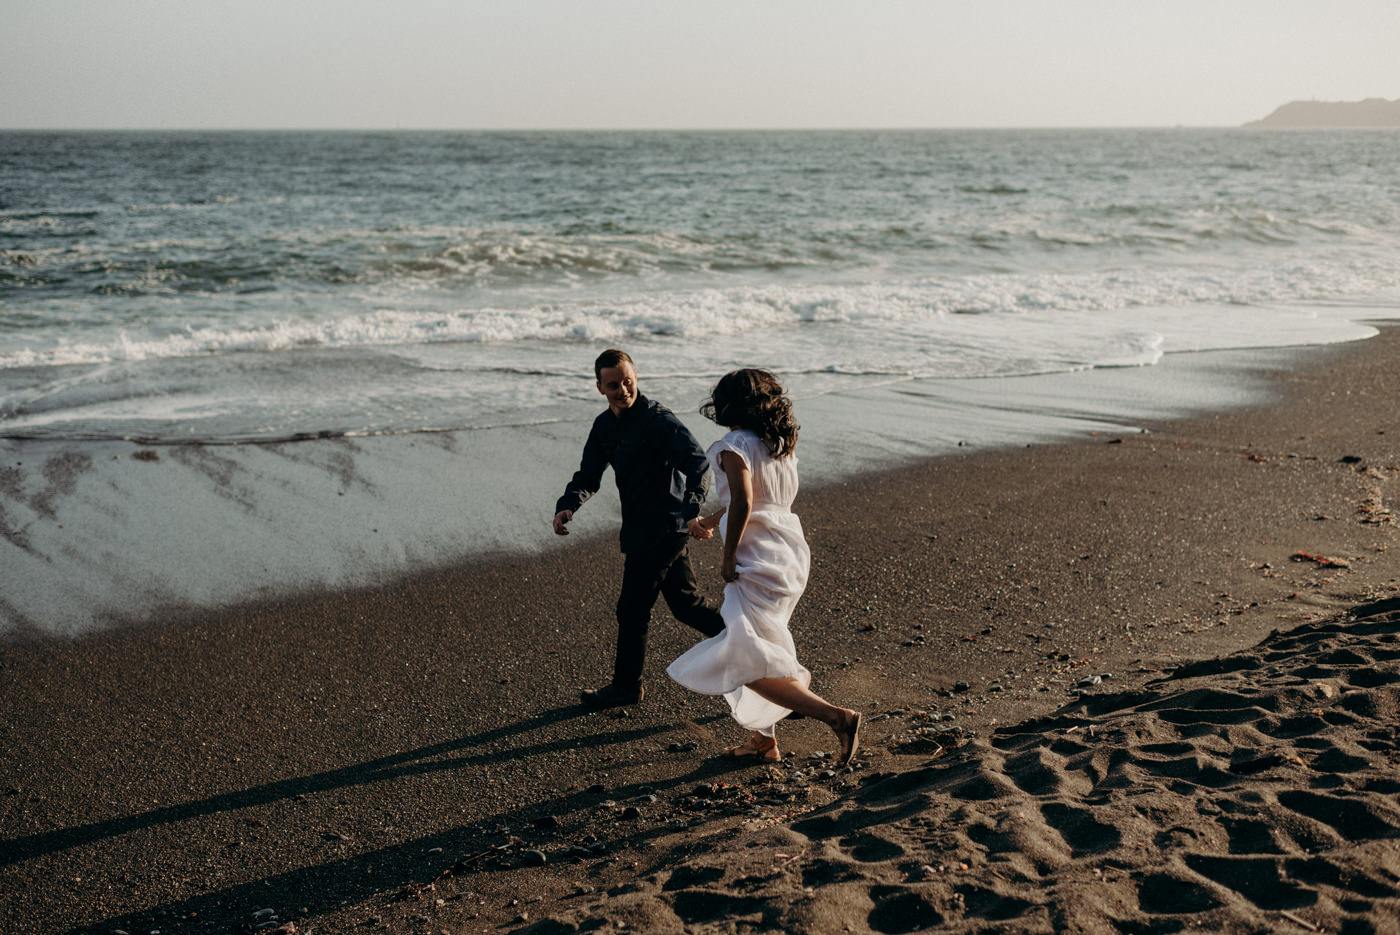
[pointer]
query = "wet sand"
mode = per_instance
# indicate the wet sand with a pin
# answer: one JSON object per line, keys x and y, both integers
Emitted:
{"x": 396, "y": 758}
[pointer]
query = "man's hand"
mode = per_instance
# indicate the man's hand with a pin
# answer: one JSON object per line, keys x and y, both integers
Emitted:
{"x": 699, "y": 530}
{"x": 561, "y": 521}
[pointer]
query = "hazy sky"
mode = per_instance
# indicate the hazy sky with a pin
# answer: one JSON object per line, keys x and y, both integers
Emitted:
{"x": 684, "y": 63}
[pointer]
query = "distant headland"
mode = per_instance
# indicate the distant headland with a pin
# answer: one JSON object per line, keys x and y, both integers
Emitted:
{"x": 1372, "y": 112}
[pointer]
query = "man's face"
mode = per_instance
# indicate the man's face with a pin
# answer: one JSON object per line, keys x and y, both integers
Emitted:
{"x": 619, "y": 385}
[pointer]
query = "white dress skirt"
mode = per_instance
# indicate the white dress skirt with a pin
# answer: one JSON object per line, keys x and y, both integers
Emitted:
{"x": 772, "y": 561}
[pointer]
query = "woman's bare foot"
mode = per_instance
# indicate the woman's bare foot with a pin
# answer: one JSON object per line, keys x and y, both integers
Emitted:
{"x": 848, "y": 732}
{"x": 757, "y": 746}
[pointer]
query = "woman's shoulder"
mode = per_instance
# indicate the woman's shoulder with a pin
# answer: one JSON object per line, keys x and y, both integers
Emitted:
{"x": 748, "y": 440}
{"x": 741, "y": 440}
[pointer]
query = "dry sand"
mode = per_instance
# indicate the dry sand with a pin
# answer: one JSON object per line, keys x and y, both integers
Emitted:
{"x": 396, "y": 759}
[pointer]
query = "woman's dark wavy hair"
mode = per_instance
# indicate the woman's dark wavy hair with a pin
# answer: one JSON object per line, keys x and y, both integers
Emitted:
{"x": 754, "y": 400}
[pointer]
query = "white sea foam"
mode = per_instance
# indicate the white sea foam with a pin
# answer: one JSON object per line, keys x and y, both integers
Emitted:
{"x": 105, "y": 531}
{"x": 1249, "y": 298}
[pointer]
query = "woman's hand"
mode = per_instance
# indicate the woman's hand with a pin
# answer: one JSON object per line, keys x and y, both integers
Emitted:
{"x": 728, "y": 569}
{"x": 703, "y": 527}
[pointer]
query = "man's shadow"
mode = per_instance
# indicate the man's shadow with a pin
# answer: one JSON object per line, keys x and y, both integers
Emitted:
{"x": 335, "y": 884}
{"x": 423, "y": 760}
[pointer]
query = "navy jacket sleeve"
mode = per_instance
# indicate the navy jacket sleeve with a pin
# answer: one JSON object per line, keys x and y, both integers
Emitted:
{"x": 690, "y": 469}
{"x": 588, "y": 478}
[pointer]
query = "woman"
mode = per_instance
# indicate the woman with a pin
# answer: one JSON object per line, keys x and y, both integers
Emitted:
{"x": 753, "y": 663}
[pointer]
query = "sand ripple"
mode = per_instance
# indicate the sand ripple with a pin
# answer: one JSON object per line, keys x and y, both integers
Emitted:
{"x": 1252, "y": 792}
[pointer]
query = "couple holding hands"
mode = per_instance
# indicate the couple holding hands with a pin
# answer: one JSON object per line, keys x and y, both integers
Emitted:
{"x": 748, "y": 655}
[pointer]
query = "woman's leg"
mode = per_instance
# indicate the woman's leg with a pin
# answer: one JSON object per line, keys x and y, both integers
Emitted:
{"x": 790, "y": 693}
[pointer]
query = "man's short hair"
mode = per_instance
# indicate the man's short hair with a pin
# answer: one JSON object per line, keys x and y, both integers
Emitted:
{"x": 612, "y": 357}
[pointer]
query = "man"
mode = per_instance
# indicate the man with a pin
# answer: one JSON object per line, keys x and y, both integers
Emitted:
{"x": 660, "y": 473}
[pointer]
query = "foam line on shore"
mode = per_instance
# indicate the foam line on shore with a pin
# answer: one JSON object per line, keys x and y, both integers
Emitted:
{"x": 102, "y": 532}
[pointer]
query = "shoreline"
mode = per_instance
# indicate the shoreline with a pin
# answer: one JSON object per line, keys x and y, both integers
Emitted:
{"x": 112, "y": 533}
{"x": 379, "y": 753}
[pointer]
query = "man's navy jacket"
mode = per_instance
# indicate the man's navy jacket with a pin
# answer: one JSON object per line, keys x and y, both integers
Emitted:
{"x": 659, "y": 467}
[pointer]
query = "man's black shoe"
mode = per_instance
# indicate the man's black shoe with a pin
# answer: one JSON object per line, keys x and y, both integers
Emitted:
{"x": 610, "y": 696}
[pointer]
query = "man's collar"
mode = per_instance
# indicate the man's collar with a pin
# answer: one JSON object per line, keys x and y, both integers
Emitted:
{"x": 637, "y": 404}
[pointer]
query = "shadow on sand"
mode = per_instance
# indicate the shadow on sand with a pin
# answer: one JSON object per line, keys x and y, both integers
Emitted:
{"x": 338, "y": 883}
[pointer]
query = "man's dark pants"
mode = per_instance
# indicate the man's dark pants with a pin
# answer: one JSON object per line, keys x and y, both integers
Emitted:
{"x": 663, "y": 570}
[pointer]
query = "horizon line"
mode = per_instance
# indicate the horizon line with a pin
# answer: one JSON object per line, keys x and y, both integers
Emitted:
{"x": 618, "y": 129}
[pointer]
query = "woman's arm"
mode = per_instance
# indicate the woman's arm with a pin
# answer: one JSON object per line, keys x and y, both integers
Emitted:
{"x": 703, "y": 527}
{"x": 740, "y": 506}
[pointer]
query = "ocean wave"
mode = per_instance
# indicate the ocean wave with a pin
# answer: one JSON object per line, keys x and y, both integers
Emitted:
{"x": 23, "y": 222}
{"x": 194, "y": 203}
{"x": 705, "y": 314}
{"x": 372, "y": 388}
{"x": 484, "y": 255}
{"x": 48, "y": 225}
{"x": 56, "y": 262}
{"x": 1002, "y": 189}
{"x": 443, "y": 258}
{"x": 362, "y": 392}
{"x": 1211, "y": 228}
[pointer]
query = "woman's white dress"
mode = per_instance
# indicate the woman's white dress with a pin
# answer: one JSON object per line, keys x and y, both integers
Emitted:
{"x": 772, "y": 561}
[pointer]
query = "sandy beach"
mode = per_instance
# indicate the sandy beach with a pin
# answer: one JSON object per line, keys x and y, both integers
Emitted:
{"x": 1128, "y": 683}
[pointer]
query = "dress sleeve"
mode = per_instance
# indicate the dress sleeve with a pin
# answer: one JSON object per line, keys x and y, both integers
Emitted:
{"x": 732, "y": 442}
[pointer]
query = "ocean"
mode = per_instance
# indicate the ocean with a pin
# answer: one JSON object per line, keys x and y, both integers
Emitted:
{"x": 229, "y": 287}
{"x": 240, "y": 293}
